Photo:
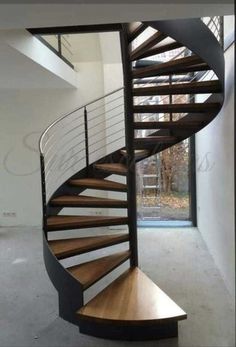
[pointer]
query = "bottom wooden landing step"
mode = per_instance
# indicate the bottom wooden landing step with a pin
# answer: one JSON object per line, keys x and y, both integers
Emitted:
{"x": 131, "y": 308}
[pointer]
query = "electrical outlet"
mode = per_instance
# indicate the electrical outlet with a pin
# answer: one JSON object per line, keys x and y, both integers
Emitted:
{"x": 9, "y": 214}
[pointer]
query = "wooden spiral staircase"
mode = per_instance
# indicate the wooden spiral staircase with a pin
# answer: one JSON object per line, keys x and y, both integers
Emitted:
{"x": 132, "y": 306}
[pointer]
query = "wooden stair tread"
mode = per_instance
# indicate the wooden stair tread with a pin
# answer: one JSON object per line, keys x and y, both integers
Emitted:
{"x": 79, "y": 222}
{"x": 92, "y": 271}
{"x": 180, "y": 88}
{"x": 86, "y": 201}
{"x": 192, "y": 68}
{"x": 160, "y": 49}
{"x": 168, "y": 125}
{"x": 136, "y": 32}
{"x": 132, "y": 298}
{"x": 98, "y": 183}
{"x": 69, "y": 247}
{"x": 139, "y": 153}
{"x": 150, "y": 42}
{"x": 154, "y": 139}
{"x": 177, "y": 108}
{"x": 113, "y": 168}
{"x": 168, "y": 67}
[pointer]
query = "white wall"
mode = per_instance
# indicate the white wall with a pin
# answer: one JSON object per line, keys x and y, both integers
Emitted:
{"x": 23, "y": 117}
{"x": 25, "y": 113}
{"x": 215, "y": 181}
{"x": 25, "y": 62}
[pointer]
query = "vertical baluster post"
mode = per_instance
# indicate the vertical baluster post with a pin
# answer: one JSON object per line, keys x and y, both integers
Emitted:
{"x": 59, "y": 45}
{"x": 44, "y": 199}
{"x": 86, "y": 137}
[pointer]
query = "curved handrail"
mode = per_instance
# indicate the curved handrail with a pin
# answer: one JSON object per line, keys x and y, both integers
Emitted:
{"x": 71, "y": 112}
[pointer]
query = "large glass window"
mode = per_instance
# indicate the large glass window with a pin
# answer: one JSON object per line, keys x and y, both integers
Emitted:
{"x": 164, "y": 186}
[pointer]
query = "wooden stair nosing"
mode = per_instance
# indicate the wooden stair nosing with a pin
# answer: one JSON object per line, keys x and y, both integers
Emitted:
{"x": 181, "y": 88}
{"x": 188, "y": 69}
{"x": 92, "y": 271}
{"x": 150, "y": 42}
{"x": 167, "y": 67}
{"x": 136, "y": 32}
{"x": 55, "y": 223}
{"x": 113, "y": 168}
{"x": 138, "y": 153}
{"x": 177, "y": 108}
{"x": 99, "y": 184}
{"x": 87, "y": 201}
{"x": 160, "y": 49}
{"x": 65, "y": 248}
{"x": 168, "y": 125}
{"x": 132, "y": 299}
{"x": 154, "y": 139}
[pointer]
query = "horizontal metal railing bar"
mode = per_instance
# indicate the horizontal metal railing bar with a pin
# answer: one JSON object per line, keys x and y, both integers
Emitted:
{"x": 69, "y": 149}
{"x": 70, "y": 139}
{"x": 98, "y": 149}
{"x": 116, "y": 132}
{"x": 54, "y": 134}
{"x": 63, "y": 38}
{"x": 68, "y": 168}
{"x": 108, "y": 144}
{"x": 69, "y": 132}
{"x": 102, "y": 114}
{"x": 65, "y": 45}
{"x": 57, "y": 159}
{"x": 75, "y": 154}
{"x": 118, "y": 114}
{"x": 64, "y": 144}
{"x": 64, "y": 162}
{"x": 60, "y": 130}
{"x": 107, "y": 103}
{"x": 68, "y": 114}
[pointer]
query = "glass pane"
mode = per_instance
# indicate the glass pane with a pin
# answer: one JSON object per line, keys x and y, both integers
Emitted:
{"x": 163, "y": 185}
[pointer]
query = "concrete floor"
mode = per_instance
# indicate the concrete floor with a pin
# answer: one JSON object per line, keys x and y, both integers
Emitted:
{"x": 176, "y": 259}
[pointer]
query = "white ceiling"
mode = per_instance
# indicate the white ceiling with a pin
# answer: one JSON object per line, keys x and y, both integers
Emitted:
{"x": 15, "y": 15}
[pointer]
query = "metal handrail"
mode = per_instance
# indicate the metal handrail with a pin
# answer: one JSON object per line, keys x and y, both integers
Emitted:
{"x": 71, "y": 112}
